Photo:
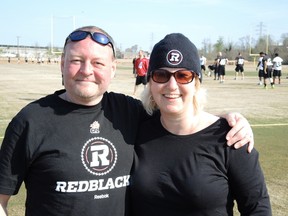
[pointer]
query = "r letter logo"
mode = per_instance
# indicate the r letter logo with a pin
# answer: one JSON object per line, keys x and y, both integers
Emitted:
{"x": 174, "y": 57}
{"x": 98, "y": 156}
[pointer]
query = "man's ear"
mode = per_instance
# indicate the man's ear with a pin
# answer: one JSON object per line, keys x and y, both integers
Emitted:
{"x": 62, "y": 67}
{"x": 62, "y": 62}
{"x": 113, "y": 68}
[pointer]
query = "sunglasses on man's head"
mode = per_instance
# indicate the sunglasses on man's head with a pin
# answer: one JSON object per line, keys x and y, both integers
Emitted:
{"x": 96, "y": 36}
{"x": 181, "y": 76}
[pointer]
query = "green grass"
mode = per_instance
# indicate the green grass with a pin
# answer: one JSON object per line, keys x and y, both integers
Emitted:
{"x": 271, "y": 142}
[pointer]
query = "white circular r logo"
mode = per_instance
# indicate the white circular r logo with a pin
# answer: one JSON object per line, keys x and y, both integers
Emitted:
{"x": 98, "y": 156}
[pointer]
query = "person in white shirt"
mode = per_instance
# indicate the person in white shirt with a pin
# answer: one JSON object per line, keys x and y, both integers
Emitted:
{"x": 239, "y": 62}
{"x": 221, "y": 62}
{"x": 260, "y": 68}
{"x": 277, "y": 67}
{"x": 203, "y": 65}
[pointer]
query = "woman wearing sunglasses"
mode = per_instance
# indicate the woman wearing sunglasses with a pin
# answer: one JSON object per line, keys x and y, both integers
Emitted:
{"x": 182, "y": 164}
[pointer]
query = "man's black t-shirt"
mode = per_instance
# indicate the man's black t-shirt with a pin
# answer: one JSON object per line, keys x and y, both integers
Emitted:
{"x": 74, "y": 159}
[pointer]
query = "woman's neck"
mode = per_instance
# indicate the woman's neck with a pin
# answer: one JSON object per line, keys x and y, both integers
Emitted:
{"x": 184, "y": 125}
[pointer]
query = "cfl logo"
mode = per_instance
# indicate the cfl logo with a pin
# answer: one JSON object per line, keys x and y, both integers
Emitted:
{"x": 98, "y": 156}
{"x": 174, "y": 57}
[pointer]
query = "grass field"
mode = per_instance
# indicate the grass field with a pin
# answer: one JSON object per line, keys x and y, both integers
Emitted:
{"x": 266, "y": 110}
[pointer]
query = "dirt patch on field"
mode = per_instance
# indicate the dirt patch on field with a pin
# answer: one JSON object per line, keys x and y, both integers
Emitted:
{"x": 22, "y": 83}
{"x": 244, "y": 96}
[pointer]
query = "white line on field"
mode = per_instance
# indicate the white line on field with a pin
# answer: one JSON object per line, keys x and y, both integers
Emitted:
{"x": 267, "y": 125}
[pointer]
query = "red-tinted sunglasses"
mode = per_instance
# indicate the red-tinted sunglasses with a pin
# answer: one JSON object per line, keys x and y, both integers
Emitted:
{"x": 181, "y": 76}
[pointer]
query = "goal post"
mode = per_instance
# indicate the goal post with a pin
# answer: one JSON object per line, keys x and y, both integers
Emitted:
{"x": 255, "y": 55}
{"x": 266, "y": 48}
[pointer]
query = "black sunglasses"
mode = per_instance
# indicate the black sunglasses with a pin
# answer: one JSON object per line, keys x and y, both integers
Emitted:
{"x": 181, "y": 76}
{"x": 96, "y": 36}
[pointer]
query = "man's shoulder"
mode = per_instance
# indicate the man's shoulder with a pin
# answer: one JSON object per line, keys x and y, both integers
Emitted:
{"x": 37, "y": 109}
{"x": 277, "y": 59}
{"x": 137, "y": 60}
{"x": 146, "y": 59}
{"x": 119, "y": 98}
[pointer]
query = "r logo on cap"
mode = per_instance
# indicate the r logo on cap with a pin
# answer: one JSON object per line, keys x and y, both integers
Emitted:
{"x": 174, "y": 57}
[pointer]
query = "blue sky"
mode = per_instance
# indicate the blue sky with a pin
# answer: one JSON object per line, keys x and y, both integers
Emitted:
{"x": 141, "y": 22}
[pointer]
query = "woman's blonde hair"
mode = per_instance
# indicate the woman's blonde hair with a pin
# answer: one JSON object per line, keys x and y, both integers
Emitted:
{"x": 199, "y": 98}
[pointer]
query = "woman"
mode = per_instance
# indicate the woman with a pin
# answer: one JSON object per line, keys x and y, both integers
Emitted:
{"x": 182, "y": 164}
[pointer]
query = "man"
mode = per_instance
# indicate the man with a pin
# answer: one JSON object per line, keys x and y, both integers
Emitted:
{"x": 239, "y": 62}
{"x": 141, "y": 66}
{"x": 267, "y": 68}
{"x": 203, "y": 61}
{"x": 277, "y": 67}
{"x": 221, "y": 62}
{"x": 74, "y": 149}
{"x": 260, "y": 68}
{"x": 134, "y": 69}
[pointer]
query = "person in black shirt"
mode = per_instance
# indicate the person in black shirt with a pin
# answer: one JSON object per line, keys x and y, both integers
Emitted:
{"x": 267, "y": 68}
{"x": 182, "y": 163}
{"x": 239, "y": 62}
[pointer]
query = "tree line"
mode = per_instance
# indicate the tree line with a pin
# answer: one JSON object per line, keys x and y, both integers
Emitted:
{"x": 247, "y": 46}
